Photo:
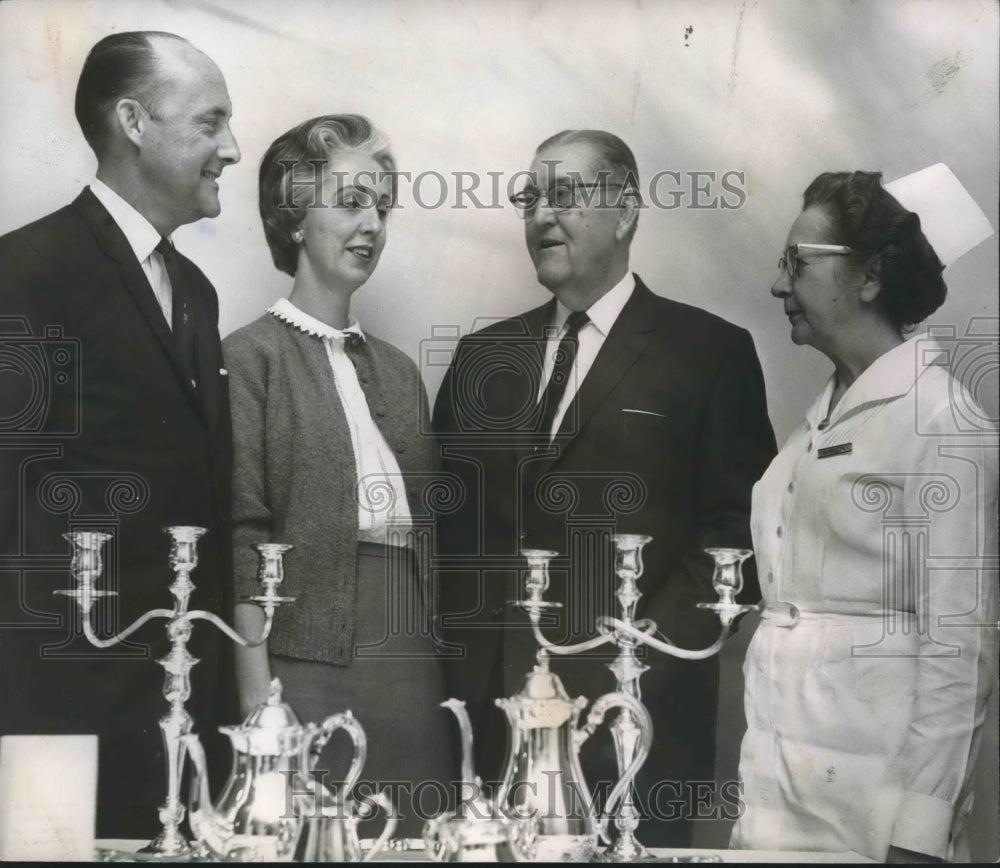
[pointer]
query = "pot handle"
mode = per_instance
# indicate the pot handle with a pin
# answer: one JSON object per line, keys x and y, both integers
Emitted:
{"x": 381, "y": 800}
{"x": 316, "y": 739}
{"x": 642, "y": 719}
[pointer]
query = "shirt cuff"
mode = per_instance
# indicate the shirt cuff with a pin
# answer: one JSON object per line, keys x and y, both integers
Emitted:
{"x": 923, "y": 825}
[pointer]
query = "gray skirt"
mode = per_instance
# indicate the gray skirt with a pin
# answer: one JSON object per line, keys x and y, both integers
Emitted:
{"x": 394, "y": 686}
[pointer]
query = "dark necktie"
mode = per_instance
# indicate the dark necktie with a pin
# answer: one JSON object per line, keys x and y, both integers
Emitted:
{"x": 561, "y": 371}
{"x": 182, "y": 326}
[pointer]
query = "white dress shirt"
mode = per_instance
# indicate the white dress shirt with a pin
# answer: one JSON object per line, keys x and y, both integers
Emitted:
{"x": 602, "y": 314}
{"x": 383, "y": 510}
{"x": 142, "y": 238}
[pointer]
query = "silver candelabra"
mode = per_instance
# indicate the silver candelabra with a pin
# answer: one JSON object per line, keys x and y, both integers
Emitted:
{"x": 86, "y": 566}
{"x": 627, "y": 634}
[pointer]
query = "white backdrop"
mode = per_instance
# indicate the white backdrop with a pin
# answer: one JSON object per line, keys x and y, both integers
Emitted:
{"x": 778, "y": 89}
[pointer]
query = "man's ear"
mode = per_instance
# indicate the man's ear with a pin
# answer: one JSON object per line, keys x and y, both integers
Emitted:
{"x": 629, "y": 216}
{"x": 131, "y": 117}
{"x": 871, "y": 283}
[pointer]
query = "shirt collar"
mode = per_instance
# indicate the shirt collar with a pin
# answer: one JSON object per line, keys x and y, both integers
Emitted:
{"x": 605, "y": 310}
{"x": 287, "y": 312}
{"x": 142, "y": 237}
{"x": 891, "y": 375}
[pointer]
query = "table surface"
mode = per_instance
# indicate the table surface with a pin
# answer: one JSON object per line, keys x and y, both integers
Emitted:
{"x": 416, "y": 854}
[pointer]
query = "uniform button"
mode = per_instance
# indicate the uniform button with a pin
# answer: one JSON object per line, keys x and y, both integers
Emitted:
{"x": 401, "y": 448}
{"x": 194, "y": 385}
{"x": 791, "y": 487}
{"x": 380, "y": 412}
{"x": 770, "y": 576}
{"x": 780, "y": 532}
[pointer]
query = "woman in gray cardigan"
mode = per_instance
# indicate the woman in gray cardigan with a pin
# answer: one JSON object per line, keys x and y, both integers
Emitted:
{"x": 329, "y": 458}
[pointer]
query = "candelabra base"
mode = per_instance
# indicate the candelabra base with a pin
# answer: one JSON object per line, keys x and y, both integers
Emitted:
{"x": 625, "y": 849}
{"x": 169, "y": 843}
{"x": 153, "y": 852}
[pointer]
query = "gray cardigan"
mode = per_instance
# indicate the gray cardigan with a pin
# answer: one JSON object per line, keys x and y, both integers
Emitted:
{"x": 294, "y": 476}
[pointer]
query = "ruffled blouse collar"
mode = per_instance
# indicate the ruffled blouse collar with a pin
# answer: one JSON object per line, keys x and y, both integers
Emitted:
{"x": 287, "y": 312}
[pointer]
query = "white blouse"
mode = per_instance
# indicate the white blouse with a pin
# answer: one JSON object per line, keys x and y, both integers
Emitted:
{"x": 383, "y": 510}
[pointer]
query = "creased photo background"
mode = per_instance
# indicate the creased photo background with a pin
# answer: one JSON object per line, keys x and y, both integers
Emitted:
{"x": 778, "y": 90}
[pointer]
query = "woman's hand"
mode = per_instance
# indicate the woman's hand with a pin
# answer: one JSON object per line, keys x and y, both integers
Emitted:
{"x": 253, "y": 670}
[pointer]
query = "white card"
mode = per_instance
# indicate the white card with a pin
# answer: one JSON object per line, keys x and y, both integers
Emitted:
{"x": 48, "y": 797}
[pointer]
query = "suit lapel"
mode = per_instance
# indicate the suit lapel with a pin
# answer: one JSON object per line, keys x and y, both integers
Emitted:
{"x": 621, "y": 349}
{"x": 114, "y": 244}
{"x": 535, "y": 323}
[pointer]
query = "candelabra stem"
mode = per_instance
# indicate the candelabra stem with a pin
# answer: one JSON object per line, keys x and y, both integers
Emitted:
{"x": 173, "y": 727}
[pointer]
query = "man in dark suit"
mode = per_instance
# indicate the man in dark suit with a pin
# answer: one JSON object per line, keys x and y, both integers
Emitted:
{"x": 115, "y": 417}
{"x": 607, "y": 410}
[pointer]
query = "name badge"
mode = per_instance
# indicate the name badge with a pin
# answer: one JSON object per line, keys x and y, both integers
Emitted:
{"x": 830, "y": 451}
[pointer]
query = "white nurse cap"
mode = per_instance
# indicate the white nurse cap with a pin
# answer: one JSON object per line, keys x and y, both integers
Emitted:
{"x": 950, "y": 218}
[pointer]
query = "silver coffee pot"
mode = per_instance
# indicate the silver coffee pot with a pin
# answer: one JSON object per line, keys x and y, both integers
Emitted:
{"x": 259, "y": 814}
{"x": 475, "y": 831}
{"x": 542, "y": 778}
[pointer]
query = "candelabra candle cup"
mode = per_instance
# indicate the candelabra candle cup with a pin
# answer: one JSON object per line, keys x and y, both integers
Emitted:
{"x": 184, "y": 547}
{"x": 270, "y": 574}
{"x": 86, "y": 565}
{"x": 628, "y": 554}
{"x": 536, "y": 582}
{"x": 728, "y": 577}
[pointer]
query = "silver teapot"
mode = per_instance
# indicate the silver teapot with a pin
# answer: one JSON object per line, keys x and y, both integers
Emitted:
{"x": 542, "y": 777}
{"x": 255, "y": 817}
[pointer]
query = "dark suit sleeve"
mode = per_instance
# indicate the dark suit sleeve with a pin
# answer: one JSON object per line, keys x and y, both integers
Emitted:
{"x": 29, "y": 407}
{"x": 736, "y": 444}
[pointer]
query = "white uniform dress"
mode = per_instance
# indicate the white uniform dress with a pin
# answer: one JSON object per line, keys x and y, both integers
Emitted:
{"x": 866, "y": 682}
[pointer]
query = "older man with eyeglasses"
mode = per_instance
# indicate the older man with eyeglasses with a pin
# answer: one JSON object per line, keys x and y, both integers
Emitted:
{"x": 608, "y": 409}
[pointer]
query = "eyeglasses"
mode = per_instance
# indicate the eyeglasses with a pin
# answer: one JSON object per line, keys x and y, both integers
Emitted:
{"x": 789, "y": 262}
{"x": 561, "y": 198}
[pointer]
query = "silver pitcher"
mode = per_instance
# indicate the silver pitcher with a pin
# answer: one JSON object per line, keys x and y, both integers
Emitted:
{"x": 254, "y": 818}
{"x": 542, "y": 778}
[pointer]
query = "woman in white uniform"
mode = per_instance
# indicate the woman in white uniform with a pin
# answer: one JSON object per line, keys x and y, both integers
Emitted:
{"x": 875, "y": 532}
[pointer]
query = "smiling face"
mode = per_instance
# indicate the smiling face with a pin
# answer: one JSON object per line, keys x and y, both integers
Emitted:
{"x": 822, "y": 300}
{"x": 186, "y": 141}
{"x": 579, "y": 253}
{"x": 343, "y": 236}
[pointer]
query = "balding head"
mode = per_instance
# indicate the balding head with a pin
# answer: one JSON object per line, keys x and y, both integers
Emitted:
{"x": 120, "y": 65}
{"x": 156, "y": 111}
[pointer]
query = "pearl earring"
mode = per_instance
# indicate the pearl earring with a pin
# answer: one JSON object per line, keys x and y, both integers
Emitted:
{"x": 297, "y": 236}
